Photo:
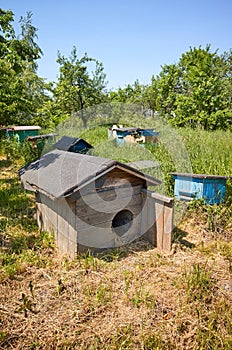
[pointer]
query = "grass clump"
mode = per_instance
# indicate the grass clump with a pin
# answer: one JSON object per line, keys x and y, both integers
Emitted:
{"x": 199, "y": 282}
{"x": 21, "y": 243}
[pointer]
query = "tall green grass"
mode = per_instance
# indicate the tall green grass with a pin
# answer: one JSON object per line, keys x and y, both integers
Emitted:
{"x": 210, "y": 151}
{"x": 21, "y": 243}
{"x": 184, "y": 150}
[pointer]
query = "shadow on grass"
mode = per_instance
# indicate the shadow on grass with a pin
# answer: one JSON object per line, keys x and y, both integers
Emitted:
{"x": 17, "y": 215}
{"x": 15, "y": 204}
{"x": 118, "y": 253}
{"x": 178, "y": 237}
{"x": 5, "y": 163}
{"x": 135, "y": 247}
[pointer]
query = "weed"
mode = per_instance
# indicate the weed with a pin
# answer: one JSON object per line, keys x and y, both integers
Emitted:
{"x": 122, "y": 339}
{"x": 156, "y": 260}
{"x": 212, "y": 326}
{"x": 2, "y": 336}
{"x": 18, "y": 151}
{"x": 97, "y": 295}
{"x": 60, "y": 287}
{"x": 199, "y": 282}
{"x": 103, "y": 294}
{"x": 27, "y": 305}
{"x": 154, "y": 342}
{"x": 88, "y": 262}
{"x": 111, "y": 255}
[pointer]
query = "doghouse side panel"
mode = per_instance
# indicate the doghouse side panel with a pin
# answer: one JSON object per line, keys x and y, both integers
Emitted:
{"x": 158, "y": 217}
{"x": 72, "y": 233}
{"x": 148, "y": 220}
{"x": 58, "y": 216}
{"x": 46, "y": 214}
{"x": 66, "y": 227}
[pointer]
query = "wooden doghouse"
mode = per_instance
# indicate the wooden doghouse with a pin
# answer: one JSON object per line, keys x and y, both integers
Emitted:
{"x": 96, "y": 203}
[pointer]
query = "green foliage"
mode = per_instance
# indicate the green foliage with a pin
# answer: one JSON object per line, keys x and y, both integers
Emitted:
{"x": 15, "y": 150}
{"x": 24, "y": 250}
{"x": 77, "y": 88}
{"x": 194, "y": 92}
{"x": 21, "y": 243}
{"x": 155, "y": 342}
{"x": 22, "y": 91}
{"x": 132, "y": 93}
{"x": 95, "y": 135}
{"x": 209, "y": 152}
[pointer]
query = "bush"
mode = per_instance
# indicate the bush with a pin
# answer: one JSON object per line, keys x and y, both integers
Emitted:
{"x": 15, "y": 150}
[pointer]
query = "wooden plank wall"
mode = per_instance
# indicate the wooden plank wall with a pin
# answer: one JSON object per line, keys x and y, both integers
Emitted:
{"x": 94, "y": 228}
{"x": 58, "y": 216}
{"x": 76, "y": 223}
{"x": 160, "y": 209}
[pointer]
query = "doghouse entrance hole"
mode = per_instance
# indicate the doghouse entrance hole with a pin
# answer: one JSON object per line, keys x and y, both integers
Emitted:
{"x": 122, "y": 222}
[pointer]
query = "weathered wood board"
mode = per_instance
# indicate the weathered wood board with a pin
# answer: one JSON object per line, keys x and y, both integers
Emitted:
{"x": 87, "y": 223}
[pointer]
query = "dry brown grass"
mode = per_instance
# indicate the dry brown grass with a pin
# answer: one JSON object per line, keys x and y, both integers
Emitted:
{"x": 132, "y": 298}
{"x": 129, "y": 303}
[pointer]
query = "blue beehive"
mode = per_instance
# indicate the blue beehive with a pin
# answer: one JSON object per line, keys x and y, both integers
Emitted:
{"x": 72, "y": 144}
{"x": 211, "y": 188}
{"x": 133, "y": 135}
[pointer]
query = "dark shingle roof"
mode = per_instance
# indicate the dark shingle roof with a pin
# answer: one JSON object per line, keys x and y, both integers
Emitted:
{"x": 59, "y": 173}
{"x": 65, "y": 142}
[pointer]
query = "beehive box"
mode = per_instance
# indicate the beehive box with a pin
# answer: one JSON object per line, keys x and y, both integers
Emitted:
{"x": 72, "y": 144}
{"x": 21, "y": 132}
{"x": 133, "y": 135}
{"x": 211, "y": 188}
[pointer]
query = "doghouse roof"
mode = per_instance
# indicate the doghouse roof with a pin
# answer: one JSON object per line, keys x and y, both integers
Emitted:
{"x": 65, "y": 142}
{"x": 59, "y": 173}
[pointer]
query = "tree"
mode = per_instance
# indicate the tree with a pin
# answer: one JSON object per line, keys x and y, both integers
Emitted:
{"x": 22, "y": 92}
{"x": 77, "y": 88}
{"x": 196, "y": 90}
{"x": 150, "y": 94}
{"x": 132, "y": 93}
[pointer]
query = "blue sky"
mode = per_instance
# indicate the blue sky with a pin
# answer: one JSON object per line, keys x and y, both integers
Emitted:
{"x": 132, "y": 38}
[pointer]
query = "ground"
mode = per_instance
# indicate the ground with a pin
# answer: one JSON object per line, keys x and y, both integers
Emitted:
{"x": 135, "y": 297}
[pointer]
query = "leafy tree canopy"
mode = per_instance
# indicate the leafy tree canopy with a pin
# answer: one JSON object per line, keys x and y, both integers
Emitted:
{"x": 21, "y": 90}
{"x": 196, "y": 91}
{"x": 78, "y": 87}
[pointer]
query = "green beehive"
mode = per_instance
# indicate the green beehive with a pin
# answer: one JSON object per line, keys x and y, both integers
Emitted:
{"x": 21, "y": 132}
